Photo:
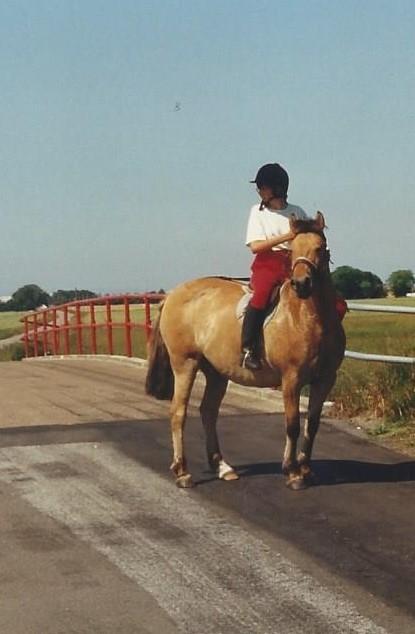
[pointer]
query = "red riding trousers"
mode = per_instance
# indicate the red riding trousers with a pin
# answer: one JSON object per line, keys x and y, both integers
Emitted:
{"x": 268, "y": 269}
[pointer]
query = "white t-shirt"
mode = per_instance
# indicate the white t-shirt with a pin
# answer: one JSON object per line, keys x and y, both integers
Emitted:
{"x": 269, "y": 223}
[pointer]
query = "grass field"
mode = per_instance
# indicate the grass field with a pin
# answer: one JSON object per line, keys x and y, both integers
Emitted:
{"x": 10, "y": 324}
{"x": 378, "y": 390}
{"x": 388, "y": 301}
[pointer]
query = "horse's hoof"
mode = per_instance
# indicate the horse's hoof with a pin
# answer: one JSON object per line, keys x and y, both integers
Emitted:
{"x": 226, "y": 472}
{"x": 297, "y": 483}
{"x": 230, "y": 476}
{"x": 309, "y": 476}
{"x": 185, "y": 481}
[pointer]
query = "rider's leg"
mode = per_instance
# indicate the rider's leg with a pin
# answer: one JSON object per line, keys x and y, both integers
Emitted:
{"x": 268, "y": 269}
{"x": 251, "y": 329}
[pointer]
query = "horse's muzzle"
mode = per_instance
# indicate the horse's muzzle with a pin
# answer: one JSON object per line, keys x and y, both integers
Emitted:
{"x": 303, "y": 286}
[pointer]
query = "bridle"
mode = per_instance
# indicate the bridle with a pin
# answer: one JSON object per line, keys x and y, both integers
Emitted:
{"x": 314, "y": 268}
{"x": 304, "y": 260}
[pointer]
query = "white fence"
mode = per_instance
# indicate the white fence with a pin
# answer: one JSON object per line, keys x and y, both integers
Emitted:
{"x": 363, "y": 356}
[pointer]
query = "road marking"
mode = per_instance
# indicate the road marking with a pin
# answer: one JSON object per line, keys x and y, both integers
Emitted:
{"x": 208, "y": 573}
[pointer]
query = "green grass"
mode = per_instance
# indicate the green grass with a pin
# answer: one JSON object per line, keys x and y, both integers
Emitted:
{"x": 13, "y": 352}
{"x": 138, "y": 342}
{"x": 378, "y": 390}
{"x": 387, "y": 301}
{"x": 10, "y": 324}
{"x": 381, "y": 333}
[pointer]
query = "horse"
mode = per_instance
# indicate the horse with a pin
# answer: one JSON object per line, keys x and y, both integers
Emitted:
{"x": 302, "y": 344}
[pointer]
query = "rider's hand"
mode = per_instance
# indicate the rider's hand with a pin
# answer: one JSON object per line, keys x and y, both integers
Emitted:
{"x": 290, "y": 235}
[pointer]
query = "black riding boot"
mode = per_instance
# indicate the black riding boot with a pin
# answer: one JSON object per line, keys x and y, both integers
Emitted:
{"x": 251, "y": 329}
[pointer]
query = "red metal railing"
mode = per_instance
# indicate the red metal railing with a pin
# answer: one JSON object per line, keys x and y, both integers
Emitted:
{"x": 77, "y": 328}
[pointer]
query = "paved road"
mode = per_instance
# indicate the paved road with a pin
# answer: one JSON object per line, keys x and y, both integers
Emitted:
{"x": 95, "y": 538}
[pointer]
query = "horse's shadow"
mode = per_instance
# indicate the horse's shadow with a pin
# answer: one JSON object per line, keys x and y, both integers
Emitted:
{"x": 331, "y": 472}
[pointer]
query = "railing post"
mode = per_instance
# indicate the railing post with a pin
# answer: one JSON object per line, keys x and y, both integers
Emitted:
{"x": 78, "y": 329}
{"x": 127, "y": 323}
{"x": 109, "y": 327}
{"x": 93, "y": 328}
{"x": 45, "y": 332}
{"x": 26, "y": 336}
{"x": 66, "y": 330}
{"x": 35, "y": 336}
{"x": 55, "y": 342}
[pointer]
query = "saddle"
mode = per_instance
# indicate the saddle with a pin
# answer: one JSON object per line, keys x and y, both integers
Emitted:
{"x": 242, "y": 304}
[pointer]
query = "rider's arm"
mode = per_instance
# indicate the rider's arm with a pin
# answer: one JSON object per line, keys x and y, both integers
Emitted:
{"x": 260, "y": 246}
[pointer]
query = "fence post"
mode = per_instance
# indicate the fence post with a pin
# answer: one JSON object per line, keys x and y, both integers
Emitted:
{"x": 109, "y": 327}
{"x": 93, "y": 328}
{"x": 26, "y": 336}
{"x": 45, "y": 332}
{"x": 66, "y": 330}
{"x": 55, "y": 342}
{"x": 127, "y": 325}
{"x": 79, "y": 329}
{"x": 35, "y": 336}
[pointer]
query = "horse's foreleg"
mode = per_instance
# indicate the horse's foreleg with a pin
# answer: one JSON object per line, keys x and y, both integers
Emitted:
{"x": 184, "y": 376}
{"x": 291, "y": 395}
{"x": 209, "y": 410}
{"x": 318, "y": 393}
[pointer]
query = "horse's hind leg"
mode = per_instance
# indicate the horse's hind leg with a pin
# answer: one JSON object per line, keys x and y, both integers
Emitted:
{"x": 318, "y": 393}
{"x": 215, "y": 390}
{"x": 184, "y": 375}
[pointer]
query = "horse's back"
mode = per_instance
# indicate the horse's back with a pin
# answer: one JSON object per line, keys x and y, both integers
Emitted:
{"x": 197, "y": 311}
{"x": 194, "y": 294}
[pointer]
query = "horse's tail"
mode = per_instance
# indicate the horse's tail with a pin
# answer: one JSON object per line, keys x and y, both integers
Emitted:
{"x": 160, "y": 378}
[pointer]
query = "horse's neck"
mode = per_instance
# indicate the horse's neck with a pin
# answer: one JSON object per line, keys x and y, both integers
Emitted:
{"x": 320, "y": 307}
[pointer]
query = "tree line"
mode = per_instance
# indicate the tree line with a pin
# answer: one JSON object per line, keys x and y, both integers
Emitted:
{"x": 352, "y": 283}
{"x": 31, "y": 296}
{"x": 356, "y": 284}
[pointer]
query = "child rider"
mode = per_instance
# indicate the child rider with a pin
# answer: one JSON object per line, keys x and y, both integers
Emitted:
{"x": 268, "y": 236}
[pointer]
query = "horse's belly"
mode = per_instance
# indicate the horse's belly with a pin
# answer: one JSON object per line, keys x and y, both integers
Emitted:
{"x": 264, "y": 378}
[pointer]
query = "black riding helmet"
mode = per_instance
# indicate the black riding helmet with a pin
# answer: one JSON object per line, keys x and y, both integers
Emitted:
{"x": 274, "y": 176}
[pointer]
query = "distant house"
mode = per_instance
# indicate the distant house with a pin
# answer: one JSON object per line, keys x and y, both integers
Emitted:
{"x": 5, "y": 298}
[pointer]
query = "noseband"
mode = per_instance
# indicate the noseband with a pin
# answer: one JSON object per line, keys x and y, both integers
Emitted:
{"x": 304, "y": 260}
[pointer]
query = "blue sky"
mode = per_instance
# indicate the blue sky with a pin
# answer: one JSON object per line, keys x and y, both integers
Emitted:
{"x": 105, "y": 184}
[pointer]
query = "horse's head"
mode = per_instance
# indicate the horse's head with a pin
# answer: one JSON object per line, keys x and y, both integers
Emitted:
{"x": 309, "y": 254}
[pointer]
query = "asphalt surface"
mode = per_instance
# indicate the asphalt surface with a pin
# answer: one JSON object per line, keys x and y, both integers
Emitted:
{"x": 96, "y": 538}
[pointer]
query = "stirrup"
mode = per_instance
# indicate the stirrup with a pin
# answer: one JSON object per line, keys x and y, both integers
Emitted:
{"x": 249, "y": 361}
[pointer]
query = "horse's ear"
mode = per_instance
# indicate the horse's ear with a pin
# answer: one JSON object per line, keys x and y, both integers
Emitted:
{"x": 319, "y": 221}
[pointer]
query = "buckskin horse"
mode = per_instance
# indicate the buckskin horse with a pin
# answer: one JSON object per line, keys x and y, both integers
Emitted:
{"x": 303, "y": 344}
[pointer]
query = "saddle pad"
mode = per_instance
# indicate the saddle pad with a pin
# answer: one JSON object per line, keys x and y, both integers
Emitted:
{"x": 246, "y": 298}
